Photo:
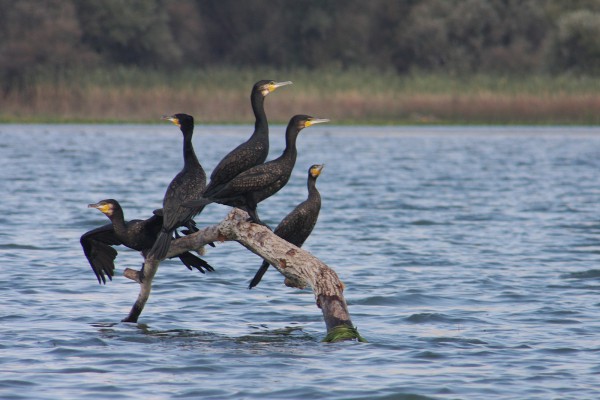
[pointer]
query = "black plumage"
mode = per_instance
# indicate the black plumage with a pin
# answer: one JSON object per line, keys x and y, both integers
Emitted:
{"x": 255, "y": 150}
{"x": 186, "y": 185}
{"x": 299, "y": 223}
{"x": 258, "y": 183}
{"x": 136, "y": 234}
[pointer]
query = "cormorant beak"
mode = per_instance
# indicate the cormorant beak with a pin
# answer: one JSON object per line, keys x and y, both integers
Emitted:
{"x": 316, "y": 169}
{"x": 172, "y": 119}
{"x": 102, "y": 207}
{"x": 276, "y": 85}
{"x": 314, "y": 121}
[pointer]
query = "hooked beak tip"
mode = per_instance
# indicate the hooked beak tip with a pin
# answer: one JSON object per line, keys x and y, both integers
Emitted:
{"x": 277, "y": 85}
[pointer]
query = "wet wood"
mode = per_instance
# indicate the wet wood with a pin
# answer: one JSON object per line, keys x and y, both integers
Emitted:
{"x": 150, "y": 268}
{"x": 299, "y": 267}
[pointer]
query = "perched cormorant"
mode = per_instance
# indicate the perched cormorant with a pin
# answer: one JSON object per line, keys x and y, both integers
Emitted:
{"x": 186, "y": 185}
{"x": 299, "y": 223}
{"x": 256, "y": 184}
{"x": 256, "y": 149}
{"x": 136, "y": 234}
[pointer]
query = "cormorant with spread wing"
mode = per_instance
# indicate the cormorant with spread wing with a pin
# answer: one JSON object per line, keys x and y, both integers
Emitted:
{"x": 136, "y": 234}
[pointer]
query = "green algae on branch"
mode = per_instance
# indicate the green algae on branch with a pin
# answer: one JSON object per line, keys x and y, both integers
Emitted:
{"x": 343, "y": 333}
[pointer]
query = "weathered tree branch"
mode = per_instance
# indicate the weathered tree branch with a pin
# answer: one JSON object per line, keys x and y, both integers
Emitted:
{"x": 299, "y": 267}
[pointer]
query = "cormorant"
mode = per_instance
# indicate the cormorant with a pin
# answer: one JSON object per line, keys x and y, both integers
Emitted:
{"x": 256, "y": 184}
{"x": 186, "y": 185}
{"x": 136, "y": 234}
{"x": 256, "y": 149}
{"x": 299, "y": 223}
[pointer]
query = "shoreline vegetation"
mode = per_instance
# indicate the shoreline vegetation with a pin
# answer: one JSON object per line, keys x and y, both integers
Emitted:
{"x": 221, "y": 96}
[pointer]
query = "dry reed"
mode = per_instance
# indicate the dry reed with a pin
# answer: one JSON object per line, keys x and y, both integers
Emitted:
{"x": 58, "y": 102}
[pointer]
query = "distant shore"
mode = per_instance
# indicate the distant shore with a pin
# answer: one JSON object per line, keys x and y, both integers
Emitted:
{"x": 350, "y": 97}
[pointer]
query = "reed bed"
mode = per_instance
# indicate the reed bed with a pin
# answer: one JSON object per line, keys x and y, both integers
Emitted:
{"x": 350, "y": 97}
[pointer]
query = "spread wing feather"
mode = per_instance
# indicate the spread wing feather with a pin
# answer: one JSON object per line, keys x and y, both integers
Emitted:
{"x": 97, "y": 247}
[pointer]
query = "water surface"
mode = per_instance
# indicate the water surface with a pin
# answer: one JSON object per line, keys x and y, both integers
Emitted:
{"x": 469, "y": 255}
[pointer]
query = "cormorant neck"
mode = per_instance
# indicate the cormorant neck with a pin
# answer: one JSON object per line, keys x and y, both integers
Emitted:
{"x": 189, "y": 155}
{"x": 261, "y": 125}
{"x": 118, "y": 219}
{"x": 312, "y": 186}
{"x": 291, "y": 134}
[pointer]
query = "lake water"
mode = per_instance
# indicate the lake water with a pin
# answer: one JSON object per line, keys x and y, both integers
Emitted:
{"x": 470, "y": 257}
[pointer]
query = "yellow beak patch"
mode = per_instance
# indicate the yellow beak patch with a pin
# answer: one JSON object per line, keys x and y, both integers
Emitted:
{"x": 105, "y": 208}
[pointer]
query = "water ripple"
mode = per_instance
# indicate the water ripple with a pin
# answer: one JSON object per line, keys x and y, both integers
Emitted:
{"x": 468, "y": 255}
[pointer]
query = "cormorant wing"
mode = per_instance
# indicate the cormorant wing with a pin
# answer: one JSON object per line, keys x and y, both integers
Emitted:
{"x": 254, "y": 179}
{"x": 177, "y": 212}
{"x": 97, "y": 247}
{"x": 155, "y": 219}
{"x": 238, "y": 160}
{"x": 298, "y": 224}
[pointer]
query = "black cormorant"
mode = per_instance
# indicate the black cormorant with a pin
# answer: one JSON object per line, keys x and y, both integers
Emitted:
{"x": 256, "y": 149}
{"x": 136, "y": 234}
{"x": 186, "y": 185}
{"x": 299, "y": 223}
{"x": 252, "y": 186}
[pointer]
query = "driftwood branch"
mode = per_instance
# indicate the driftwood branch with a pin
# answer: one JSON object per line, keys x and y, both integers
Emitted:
{"x": 298, "y": 266}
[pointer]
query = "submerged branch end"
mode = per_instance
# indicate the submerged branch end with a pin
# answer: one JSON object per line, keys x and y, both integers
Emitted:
{"x": 343, "y": 333}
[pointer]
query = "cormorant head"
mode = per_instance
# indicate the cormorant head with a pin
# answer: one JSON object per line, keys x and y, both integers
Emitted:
{"x": 304, "y": 121}
{"x": 315, "y": 170}
{"x": 183, "y": 121}
{"x": 265, "y": 87}
{"x": 107, "y": 207}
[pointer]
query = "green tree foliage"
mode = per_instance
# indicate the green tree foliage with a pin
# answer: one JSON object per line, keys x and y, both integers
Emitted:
{"x": 128, "y": 31}
{"x": 576, "y": 43}
{"x": 473, "y": 36}
{"x": 454, "y": 36}
{"x": 37, "y": 34}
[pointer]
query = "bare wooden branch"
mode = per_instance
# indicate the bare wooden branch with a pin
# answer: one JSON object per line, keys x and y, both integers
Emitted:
{"x": 299, "y": 267}
{"x": 150, "y": 268}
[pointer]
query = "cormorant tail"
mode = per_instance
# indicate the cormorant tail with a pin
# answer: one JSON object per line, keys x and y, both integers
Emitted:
{"x": 161, "y": 246}
{"x": 259, "y": 274}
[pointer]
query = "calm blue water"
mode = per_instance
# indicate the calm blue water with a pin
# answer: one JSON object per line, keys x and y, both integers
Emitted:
{"x": 470, "y": 256}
